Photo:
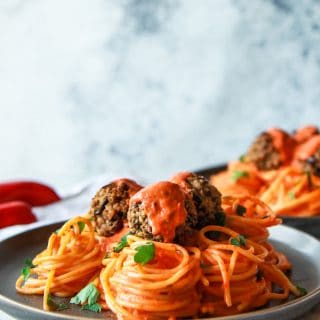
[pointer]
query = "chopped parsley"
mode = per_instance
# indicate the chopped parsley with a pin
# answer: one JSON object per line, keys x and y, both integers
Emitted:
{"x": 121, "y": 244}
{"x": 145, "y": 253}
{"x": 309, "y": 177}
{"x": 240, "y": 241}
{"x": 81, "y": 225}
{"x": 88, "y": 297}
{"x": 96, "y": 307}
{"x": 240, "y": 210}
{"x": 54, "y": 305}
{"x": 28, "y": 265}
{"x": 220, "y": 218}
{"x": 292, "y": 196}
{"x": 303, "y": 291}
{"x": 242, "y": 158}
{"x": 57, "y": 231}
{"x": 213, "y": 235}
{"x": 236, "y": 175}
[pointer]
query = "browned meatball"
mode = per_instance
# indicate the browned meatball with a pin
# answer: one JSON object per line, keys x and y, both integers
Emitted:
{"x": 312, "y": 164}
{"x": 162, "y": 212}
{"x": 110, "y": 205}
{"x": 263, "y": 153}
{"x": 206, "y": 197}
{"x": 307, "y": 155}
{"x": 271, "y": 149}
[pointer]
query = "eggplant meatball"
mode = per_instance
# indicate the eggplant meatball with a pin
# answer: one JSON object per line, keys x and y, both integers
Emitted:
{"x": 162, "y": 212}
{"x": 110, "y": 205}
{"x": 312, "y": 164}
{"x": 271, "y": 149}
{"x": 206, "y": 197}
{"x": 308, "y": 155}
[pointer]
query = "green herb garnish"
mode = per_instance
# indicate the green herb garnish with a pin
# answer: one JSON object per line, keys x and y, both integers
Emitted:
{"x": 241, "y": 241}
{"x": 145, "y": 253}
{"x": 303, "y": 291}
{"x": 57, "y": 231}
{"x": 81, "y": 225}
{"x": 121, "y": 244}
{"x": 88, "y": 297}
{"x": 96, "y": 307}
{"x": 292, "y": 196}
{"x": 242, "y": 158}
{"x": 236, "y": 175}
{"x": 54, "y": 305}
{"x": 220, "y": 218}
{"x": 240, "y": 210}
{"x": 213, "y": 235}
{"x": 309, "y": 177}
{"x": 26, "y": 269}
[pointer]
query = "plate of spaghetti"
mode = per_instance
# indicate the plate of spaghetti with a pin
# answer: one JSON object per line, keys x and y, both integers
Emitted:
{"x": 282, "y": 170}
{"x": 174, "y": 249}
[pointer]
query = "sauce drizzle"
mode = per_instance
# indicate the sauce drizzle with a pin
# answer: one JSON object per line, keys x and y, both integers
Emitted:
{"x": 164, "y": 206}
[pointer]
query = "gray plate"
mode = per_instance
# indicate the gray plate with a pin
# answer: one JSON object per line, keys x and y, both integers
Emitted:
{"x": 309, "y": 224}
{"x": 301, "y": 249}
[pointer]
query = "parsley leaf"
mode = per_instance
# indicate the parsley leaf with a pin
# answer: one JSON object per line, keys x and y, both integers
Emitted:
{"x": 309, "y": 177}
{"x": 26, "y": 269}
{"x": 121, "y": 244}
{"x": 95, "y": 307}
{"x": 57, "y": 231}
{"x": 240, "y": 210}
{"x": 241, "y": 241}
{"x": 145, "y": 253}
{"x": 303, "y": 291}
{"x": 242, "y": 158}
{"x": 81, "y": 225}
{"x": 56, "y": 306}
{"x": 213, "y": 235}
{"x": 236, "y": 175}
{"x": 89, "y": 293}
{"x": 292, "y": 196}
{"x": 220, "y": 218}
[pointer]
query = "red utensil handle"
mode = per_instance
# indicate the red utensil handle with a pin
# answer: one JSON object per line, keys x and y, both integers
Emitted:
{"x": 33, "y": 193}
{"x": 15, "y": 212}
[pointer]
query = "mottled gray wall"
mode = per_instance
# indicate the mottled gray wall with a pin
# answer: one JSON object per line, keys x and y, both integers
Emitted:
{"x": 149, "y": 87}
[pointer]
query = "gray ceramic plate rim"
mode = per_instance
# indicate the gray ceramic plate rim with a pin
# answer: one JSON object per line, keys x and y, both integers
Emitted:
{"x": 297, "y": 306}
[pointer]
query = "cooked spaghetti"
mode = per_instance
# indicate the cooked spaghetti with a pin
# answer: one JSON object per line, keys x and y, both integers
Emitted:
{"x": 291, "y": 187}
{"x": 225, "y": 267}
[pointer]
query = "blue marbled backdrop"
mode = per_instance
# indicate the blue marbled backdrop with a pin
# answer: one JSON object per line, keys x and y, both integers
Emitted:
{"x": 149, "y": 87}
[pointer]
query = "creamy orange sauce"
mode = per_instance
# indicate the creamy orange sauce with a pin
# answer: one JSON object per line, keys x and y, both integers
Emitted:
{"x": 164, "y": 206}
{"x": 283, "y": 143}
{"x": 107, "y": 242}
{"x": 308, "y": 148}
{"x": 305, "y": 133}
{"x": 133, "y": 186}
{"x": 181, "y": 179}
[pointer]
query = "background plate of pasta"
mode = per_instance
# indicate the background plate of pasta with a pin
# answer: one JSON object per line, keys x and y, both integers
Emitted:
{"x": 174, "y": 249}
{"x": 283, "y": 170}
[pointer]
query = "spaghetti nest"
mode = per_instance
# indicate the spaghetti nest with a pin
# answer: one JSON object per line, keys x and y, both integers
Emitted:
{"x": 231, "y": 268}
{"x": 287, "y": 190}
{"x": 167, "y": 286}
{"x": 72, "y": 257}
